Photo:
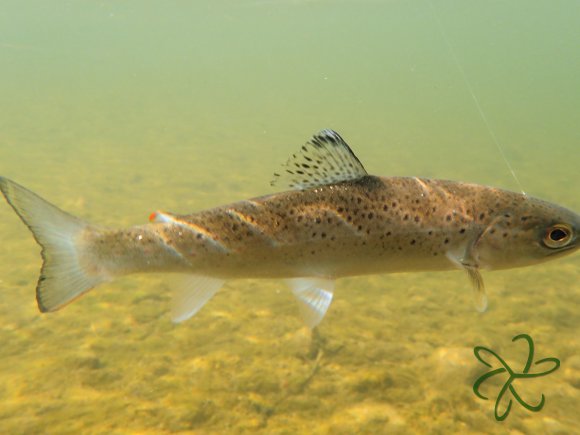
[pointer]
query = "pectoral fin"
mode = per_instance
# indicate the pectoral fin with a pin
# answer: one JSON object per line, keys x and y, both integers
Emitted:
{"x": 192, "y": 294}
{"x": 466, "y": 263}
{"x": 479, "y": 295}
{"x": 314, "y": 296}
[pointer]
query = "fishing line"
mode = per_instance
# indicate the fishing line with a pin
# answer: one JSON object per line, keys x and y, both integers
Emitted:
{"x": 473, "y": 96}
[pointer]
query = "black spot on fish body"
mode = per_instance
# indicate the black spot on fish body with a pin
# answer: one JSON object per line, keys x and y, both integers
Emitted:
{"x": 368, "y": 182}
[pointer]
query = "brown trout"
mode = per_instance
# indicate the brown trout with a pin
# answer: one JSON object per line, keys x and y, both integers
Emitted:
{"x": 336, "y": 221}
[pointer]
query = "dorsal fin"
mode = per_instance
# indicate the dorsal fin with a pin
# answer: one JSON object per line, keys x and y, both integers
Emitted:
{"x": 324, "y": 159}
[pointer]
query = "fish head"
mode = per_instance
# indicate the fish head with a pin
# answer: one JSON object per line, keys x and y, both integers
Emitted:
{"x": 531, "y": 231}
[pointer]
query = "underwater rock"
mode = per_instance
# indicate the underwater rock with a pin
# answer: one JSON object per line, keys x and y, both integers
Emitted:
{"x": 368, "y": 417}
{"x": 545, "y": 425}
{"x": 454, "y": 364}
{"x": 572, "y": 371}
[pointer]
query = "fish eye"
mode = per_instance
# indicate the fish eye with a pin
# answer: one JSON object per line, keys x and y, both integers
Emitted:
{"x": 558, "y": 236}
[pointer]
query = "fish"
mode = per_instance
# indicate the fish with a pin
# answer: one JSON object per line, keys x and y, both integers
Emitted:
{"x": 333, "y": 220}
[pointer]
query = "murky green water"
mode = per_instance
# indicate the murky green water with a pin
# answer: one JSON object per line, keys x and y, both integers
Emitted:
{"x": 114, "y": 109}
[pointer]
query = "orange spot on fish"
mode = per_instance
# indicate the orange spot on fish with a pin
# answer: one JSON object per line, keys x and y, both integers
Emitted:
{"x": 152, "y": 216}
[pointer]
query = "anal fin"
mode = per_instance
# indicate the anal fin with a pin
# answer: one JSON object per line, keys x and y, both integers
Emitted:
{"x": 192, "y": 294}
{"x": 314, "y": 296}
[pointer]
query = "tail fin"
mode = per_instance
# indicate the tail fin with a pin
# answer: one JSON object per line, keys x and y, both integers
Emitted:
{"x": 62, "y": 277}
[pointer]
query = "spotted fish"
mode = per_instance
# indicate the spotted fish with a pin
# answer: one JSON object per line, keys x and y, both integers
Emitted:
{"x": 336, "y": 221}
